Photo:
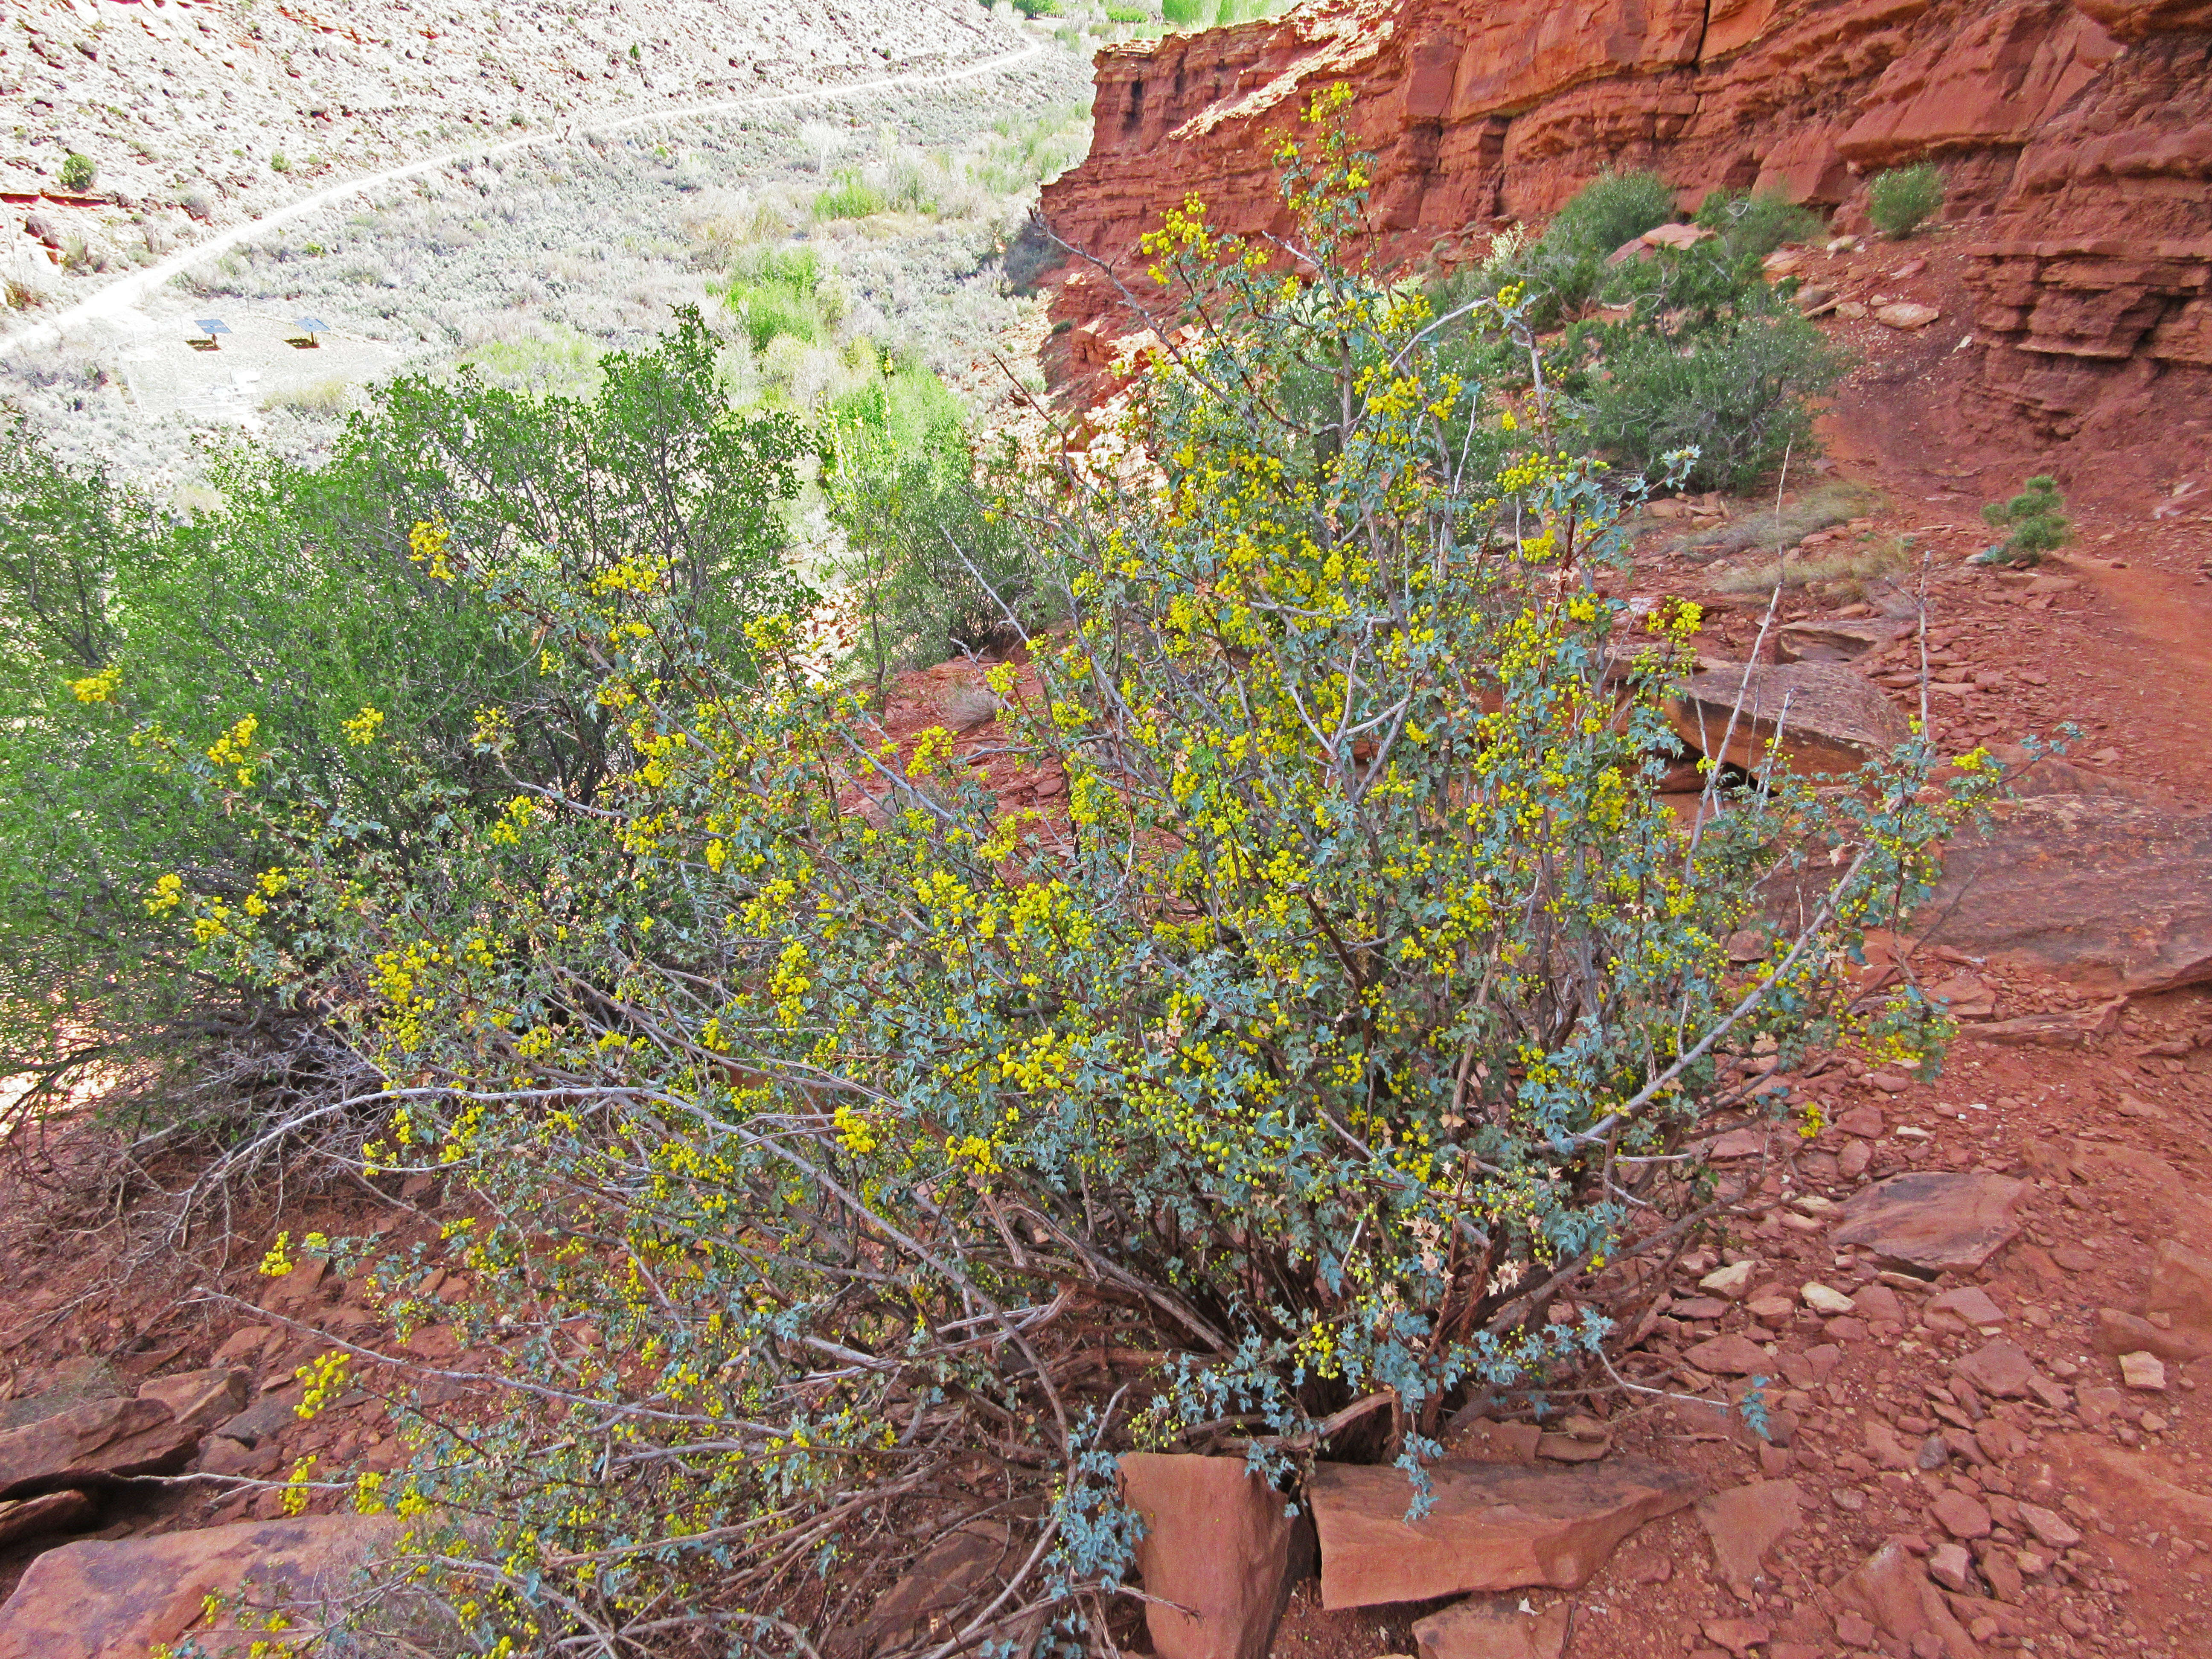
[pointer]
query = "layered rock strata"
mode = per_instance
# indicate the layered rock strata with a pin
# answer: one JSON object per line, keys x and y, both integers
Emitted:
{"x": 2076, "y": 139}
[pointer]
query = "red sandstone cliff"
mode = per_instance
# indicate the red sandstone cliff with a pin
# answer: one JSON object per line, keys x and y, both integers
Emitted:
{"x": 2077, "y": 137}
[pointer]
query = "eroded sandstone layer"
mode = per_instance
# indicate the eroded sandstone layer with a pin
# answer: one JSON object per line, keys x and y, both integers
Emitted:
{"x": 2076, "y": 136}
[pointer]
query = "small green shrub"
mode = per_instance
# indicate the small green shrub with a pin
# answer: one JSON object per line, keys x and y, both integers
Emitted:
{"x": 1740, "y": 391}
{"x": 1037, "y": 8}
{"x": 850, "y": 197}
{"x": 318, "y": 397}
{"x": 1900, "y": 200}
{"x": 2036, "y": 520}
{"x": 1189, "y": 14}
{"x": 778, "y": 291}
{"x": 77, "y": 172}
{"x": 932, "y": 571}
{"x": 1609, "y": 211}
{"x": 1122, "y": 13}
{"x": 1757, "y": 225}
{"x": 912, "y": 189}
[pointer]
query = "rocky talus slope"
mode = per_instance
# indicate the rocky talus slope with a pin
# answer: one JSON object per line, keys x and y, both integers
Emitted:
{"x": 199, "y": 113}
{"x": 2077, "y": 138}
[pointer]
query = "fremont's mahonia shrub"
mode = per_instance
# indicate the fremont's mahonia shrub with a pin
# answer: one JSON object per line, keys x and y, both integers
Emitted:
{"x": 1357, "y": 1009}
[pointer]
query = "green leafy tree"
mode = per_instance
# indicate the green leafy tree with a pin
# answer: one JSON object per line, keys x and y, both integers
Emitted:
{"x": 317, "y": 644}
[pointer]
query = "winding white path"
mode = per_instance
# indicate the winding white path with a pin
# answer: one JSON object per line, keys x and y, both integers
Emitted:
{"x": 115, "y": 304}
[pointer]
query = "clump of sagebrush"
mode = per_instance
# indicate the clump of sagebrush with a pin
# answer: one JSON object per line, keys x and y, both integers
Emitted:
{"x": 2036, "y": 521}
{"x": 821, "y": 1114}
{"x": 1901, "y": 199}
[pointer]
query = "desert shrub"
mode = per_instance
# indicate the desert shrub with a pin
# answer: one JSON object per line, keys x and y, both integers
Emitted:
{"x": 1741, "y": 392}
{"x": 1124, "y": 14}
{"x": 815, "y": 1110}
{"x": 1024, "y": 154}
{"x": 303, "y": 650}
{"x": 1037, "y": 8}
{"x": 1901, "y": 199}
{"x": 1566, "y": 266}
{"x": 850, "y": 197}
{"x": 911, "y": 187}
{"x": 546, "y": 360}
{"x": 782, "y": 290}
{"x": 1758, "y": 225}
{"x": 2036, "y": 521}
{"x": 77, "y": 172}
{"x": 1694, "y": 348}
{"x": 1188, "y": 13}
{"x": 932, "y": 571}
{"x": 317, "y": 397}
{"x": 1609, "y": 211}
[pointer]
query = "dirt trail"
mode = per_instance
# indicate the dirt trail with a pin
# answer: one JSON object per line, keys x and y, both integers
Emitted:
{"x": 115, "y": 304}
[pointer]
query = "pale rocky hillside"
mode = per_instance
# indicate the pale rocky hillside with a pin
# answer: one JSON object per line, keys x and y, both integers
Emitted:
{"x": 200, "y": 112}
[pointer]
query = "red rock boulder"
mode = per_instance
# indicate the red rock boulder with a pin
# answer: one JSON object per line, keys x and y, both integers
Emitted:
{"x": 101, "y": 1439}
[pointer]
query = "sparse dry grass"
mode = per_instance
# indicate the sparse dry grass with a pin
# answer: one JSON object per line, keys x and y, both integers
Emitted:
{"x": 333, "y": 397}
{"x": 1773, "y": 528}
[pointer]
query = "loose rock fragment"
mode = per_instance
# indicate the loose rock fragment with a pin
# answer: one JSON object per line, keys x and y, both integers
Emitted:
{"x": 1219, "y": 1541}
{"x": 1493, "y": 1526}
{"x": 1933, "y": 1221}
{"x": 1487, "y": 1629}
{"x": 1823, "y": 1300}
{"x": 1745, "y": 1522}
{"x": 2146, "y": 1371}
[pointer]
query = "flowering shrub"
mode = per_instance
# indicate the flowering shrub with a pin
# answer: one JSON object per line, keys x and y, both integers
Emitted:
{"x": 849, "y": 1154}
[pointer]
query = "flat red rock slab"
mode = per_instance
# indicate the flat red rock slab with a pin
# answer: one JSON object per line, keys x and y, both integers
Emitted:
{"x": 98, "y": 1597}
{"x": 101, "y": 1439}
{"x": 1492, "y": 1526}
{"x": 1734, "y": 1356}
{"x": 1493, "y": 1630}
{"x": 1934, "y": 1221}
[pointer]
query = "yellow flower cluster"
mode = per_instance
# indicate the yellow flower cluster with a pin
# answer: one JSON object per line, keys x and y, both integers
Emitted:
{"x": 426, "y": 546}
{"x": 362, "y": 729}
{"x": 98, "y": 687}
